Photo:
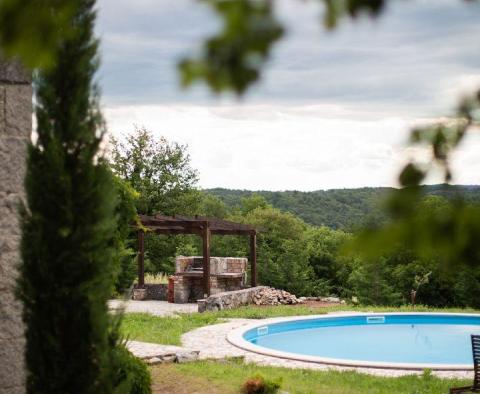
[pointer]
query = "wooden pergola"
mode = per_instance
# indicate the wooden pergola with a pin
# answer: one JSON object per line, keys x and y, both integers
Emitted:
{"x": 201, "y": 226}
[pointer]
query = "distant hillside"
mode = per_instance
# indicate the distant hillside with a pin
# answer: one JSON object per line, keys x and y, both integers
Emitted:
{"x": 337, "y": 208}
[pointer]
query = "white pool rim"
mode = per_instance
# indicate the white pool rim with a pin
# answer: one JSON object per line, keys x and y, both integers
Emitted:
{"x": 236, "y": 338}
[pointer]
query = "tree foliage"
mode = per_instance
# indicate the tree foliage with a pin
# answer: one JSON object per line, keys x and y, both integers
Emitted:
{"x": 345, "y": 209}
{"x": 457, "y": 229}
{"x": 73, "y": 231}
{"x": 32, "y": 30}
{"x": 233, "y": 58}
{"x": 125, "y": 254}
{"x": 68, "y": 226}
{"x": 158, "y": 170}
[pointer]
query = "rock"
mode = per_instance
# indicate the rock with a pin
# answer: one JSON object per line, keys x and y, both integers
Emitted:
{"x": 260, "y": 295}
{"x": 270, "y": 296}
{"x": 202, "y": 305}
{"x": 169, "y": 358}
{"x": 335, "y": 300}
{"x": 185, "y": 357}
{"x": 153, "y": 360}
{"x": 139, "y": 294}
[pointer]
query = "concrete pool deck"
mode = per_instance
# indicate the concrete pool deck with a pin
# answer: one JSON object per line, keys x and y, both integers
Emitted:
{"x": 211, "y": 343}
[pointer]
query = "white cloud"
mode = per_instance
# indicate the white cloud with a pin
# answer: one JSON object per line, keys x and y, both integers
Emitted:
{"x": 276, "y": 147}
{"x": 332, "y": 110}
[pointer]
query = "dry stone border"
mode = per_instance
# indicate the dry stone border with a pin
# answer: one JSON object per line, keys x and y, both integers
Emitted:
{"x": 271, "y": 296}
{"x": 153, "y": 353}
{"x": 260, "y": 295}
{"x": 330, "y": 300}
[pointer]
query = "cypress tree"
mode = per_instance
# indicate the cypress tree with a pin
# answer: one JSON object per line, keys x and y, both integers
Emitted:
{"x": 66, "y": 272}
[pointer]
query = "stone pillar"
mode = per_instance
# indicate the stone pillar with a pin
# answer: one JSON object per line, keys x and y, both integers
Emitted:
{"x": 15, "y": 130}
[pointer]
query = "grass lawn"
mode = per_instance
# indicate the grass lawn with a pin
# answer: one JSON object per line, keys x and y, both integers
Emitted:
{"x": 211, "y": 377}
{"x": 165, "y": 330}
{"x": 168, "y": 330}
{"x": 224, "y": 377}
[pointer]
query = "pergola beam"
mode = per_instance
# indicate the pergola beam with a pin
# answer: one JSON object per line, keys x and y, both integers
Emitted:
{"x": 253, "y": 259}
{"x": 203, "y": 227}
{"x": 206, "y": 260}
{"x": 141, "y": 258}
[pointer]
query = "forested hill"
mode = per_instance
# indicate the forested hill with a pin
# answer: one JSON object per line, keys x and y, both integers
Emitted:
{"x": 336, "y": 208}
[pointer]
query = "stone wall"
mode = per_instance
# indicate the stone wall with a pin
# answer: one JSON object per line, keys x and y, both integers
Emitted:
{"x": 229, "y": 299}
{"x": 218, "y": 265}
{"x": 15, "y": 130}
{"x": 189, "y": 288}
{"x": 150, "y": 291}
{"x": 156, "y": 291}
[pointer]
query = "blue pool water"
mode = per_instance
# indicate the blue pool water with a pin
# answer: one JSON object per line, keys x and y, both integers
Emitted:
{"x": 427, "y": 339}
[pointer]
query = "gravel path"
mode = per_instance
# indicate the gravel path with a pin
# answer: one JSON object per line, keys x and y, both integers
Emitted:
{"x": 157, "y": 308}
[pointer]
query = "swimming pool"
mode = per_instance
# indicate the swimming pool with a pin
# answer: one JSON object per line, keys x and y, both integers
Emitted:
{"x": 439, "y": 341}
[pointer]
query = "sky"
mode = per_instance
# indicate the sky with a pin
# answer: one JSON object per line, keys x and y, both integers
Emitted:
{"x": 332, "y": 110}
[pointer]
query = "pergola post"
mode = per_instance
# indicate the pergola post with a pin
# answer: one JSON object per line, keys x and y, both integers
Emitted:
{"x": 141, "y": 258}
{"x": 253, "y": 258}
{"x": 206, "y": 259}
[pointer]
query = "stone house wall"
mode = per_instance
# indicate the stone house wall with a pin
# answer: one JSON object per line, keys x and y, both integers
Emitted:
{"x": 15, "y": 130}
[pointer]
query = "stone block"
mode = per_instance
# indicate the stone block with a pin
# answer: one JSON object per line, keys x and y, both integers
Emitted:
{"x": 15, "y": 129}
{"x": 13, "y": 390}
{"x": 9, "y": 212}
{"x": 12, "y": 170}
{"x": 11, "y": 354}
{"x": 139, "y": 294}
{"x": 9, "y": 259}
{"x": 11, "y": 325}
{"x": 12, "y": 72}
{"x": 168, "y": 358}
{"x": 186, "y": 356}
{"x": 232, "y": 299}
{"x": 17, "y": 111}
{"x": 157, "y": 291}
{"x": 153, "y": 360}
{"x": 2, "y": 109}
{"x": 181, "y": 295}
{"x": 182, "y": 263}
{"x": 9, "y": 241}
{"x": 8, "y": 269}
{"x": 201, "y": 305}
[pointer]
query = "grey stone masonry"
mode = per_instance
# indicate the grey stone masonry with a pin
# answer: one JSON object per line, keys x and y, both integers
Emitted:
{"x": 15, "y": 130}
{"x": 229, "y": 299}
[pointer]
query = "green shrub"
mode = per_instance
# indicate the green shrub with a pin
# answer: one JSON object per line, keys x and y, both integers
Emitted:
{"x": 124, "y": 242}
{"x": 131, "y": 374}
{"x": 66, "y": 275}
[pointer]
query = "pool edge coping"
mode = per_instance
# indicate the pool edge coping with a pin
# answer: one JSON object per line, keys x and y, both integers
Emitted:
{"x": 235, "y": 338}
